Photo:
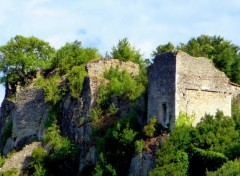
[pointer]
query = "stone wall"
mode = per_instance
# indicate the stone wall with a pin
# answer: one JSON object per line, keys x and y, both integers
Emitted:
{"x": 200, "y": 87}
{"x": 179, "y": 82}
{"x": 97, "y": 68}
{"x": 161, "y": 90}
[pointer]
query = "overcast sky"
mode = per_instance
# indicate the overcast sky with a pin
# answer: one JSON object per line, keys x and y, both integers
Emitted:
{"x": 102, "y": 23}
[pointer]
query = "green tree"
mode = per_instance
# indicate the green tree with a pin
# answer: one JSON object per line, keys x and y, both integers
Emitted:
{"x": 125, "y": 52}
{"x": 169, "y": 47}
{"x": 22, "y": 56}
{"x": 73, "y": 54}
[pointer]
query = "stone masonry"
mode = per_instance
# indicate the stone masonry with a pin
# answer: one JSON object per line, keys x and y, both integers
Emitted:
{"x": 179, "y": 82}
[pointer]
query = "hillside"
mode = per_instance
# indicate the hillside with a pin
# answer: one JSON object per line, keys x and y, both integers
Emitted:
{"x": 121, "y": 116}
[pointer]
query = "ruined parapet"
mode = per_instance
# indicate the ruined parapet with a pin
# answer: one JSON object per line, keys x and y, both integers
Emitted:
{"x": 96, "y": 70}
{"x": 179, "y": 82}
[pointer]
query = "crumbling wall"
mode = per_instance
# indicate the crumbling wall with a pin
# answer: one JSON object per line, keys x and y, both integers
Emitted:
{"x": 161, "y": 90}
{"x": 97, "y": 68}
{"x": 200, "y": 87}
{"x": 95, "y": 72}
{"x": 179, "y": 82}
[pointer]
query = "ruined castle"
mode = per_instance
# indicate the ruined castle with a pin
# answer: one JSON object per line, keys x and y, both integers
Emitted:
{"x": 179, "y": 82}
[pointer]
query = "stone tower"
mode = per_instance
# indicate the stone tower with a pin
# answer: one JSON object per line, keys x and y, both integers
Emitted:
{"x": 179, "y": 82}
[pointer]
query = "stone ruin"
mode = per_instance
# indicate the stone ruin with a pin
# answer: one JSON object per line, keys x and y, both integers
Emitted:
{"x": 179, "y": 82}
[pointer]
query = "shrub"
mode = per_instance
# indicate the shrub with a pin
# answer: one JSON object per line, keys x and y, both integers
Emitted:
{"x": 38, "y": 155}
{"x": 103, "y": 168}
{"x": 150, "y": 129}
{"x": 10, "y": 172}
{"x": 121, "y": 84}
{"x": 227, "y": 169}
{"x": 202, "y": 160}
{"x": 2, "y": 161}
{"x": 62, "y": 153}
{"x": 171, "y": 161}
{"x": 139, "y": 146}
{"x": 76, "y": 77}
{"x": 51, "y": 90}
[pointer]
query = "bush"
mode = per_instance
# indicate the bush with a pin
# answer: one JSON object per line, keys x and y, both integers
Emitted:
{"x": 38, "y": 155}
{"x": 76, "y": 77}
{"x": 139, "y": 146}
{"x": 122, "y": 137}
{"x": 2, "y": 161}
{"x": 121, "y": 84}
{"x": 103, "y": 168}
{"x": 150, "y": 129}
{"x": 202, "y": 160}
{"x": 51, "y": 90}
{"x": 229, "y": 168}
{"x": 10, "y": 172}
{"x": 171, "y": 161}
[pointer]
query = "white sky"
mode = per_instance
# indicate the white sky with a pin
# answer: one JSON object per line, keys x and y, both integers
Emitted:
{"x": 102, "y": 23}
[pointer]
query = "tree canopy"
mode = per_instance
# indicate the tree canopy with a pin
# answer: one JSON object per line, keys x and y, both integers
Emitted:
{"x": 73, "y": 54}
{"x": 169, "y": 47}
{"x": 23, "y": 55}
{"x": 125, "y": 52}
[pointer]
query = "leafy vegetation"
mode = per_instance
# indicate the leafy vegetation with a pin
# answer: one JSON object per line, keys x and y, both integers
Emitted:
{"x": 10, "y": 172}
{"x": 73, "y": 54}
{"x": 150, "y": 128}
{"x": 75, "y": 78}
{"x": 59, "y": 156}
{"x": 22, "y": 56}
{"x": 208, "y": 146}
{"x": 227, "y": 169}
{"x": 121, "y": 84}
{"x": 212, "y": 147}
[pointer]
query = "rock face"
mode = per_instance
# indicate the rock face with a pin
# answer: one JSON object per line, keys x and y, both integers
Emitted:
{"x": 28, "y": 115}
{"x": 74, "y": 117}
{"x": 181, "y": 83}
{"x": 142, "y": 164}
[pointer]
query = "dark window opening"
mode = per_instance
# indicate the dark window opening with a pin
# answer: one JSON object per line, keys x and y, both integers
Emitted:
{"x": 164, "y": 112}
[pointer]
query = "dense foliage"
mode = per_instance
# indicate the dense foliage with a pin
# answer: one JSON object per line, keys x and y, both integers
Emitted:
{"x": 73, "y": 54}
{"x": 209, "y": 148}
{"x": 23, "y": 55}
{"x": 193, "y": 151}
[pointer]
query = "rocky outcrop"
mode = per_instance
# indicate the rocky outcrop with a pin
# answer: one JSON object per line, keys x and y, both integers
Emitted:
{"x": 74, "y": 116}
{"x": 142, "y": 164}
{"x": 28, "y": 115}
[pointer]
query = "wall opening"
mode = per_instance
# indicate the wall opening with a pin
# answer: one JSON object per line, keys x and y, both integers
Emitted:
{"x": 164, "y": 112}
